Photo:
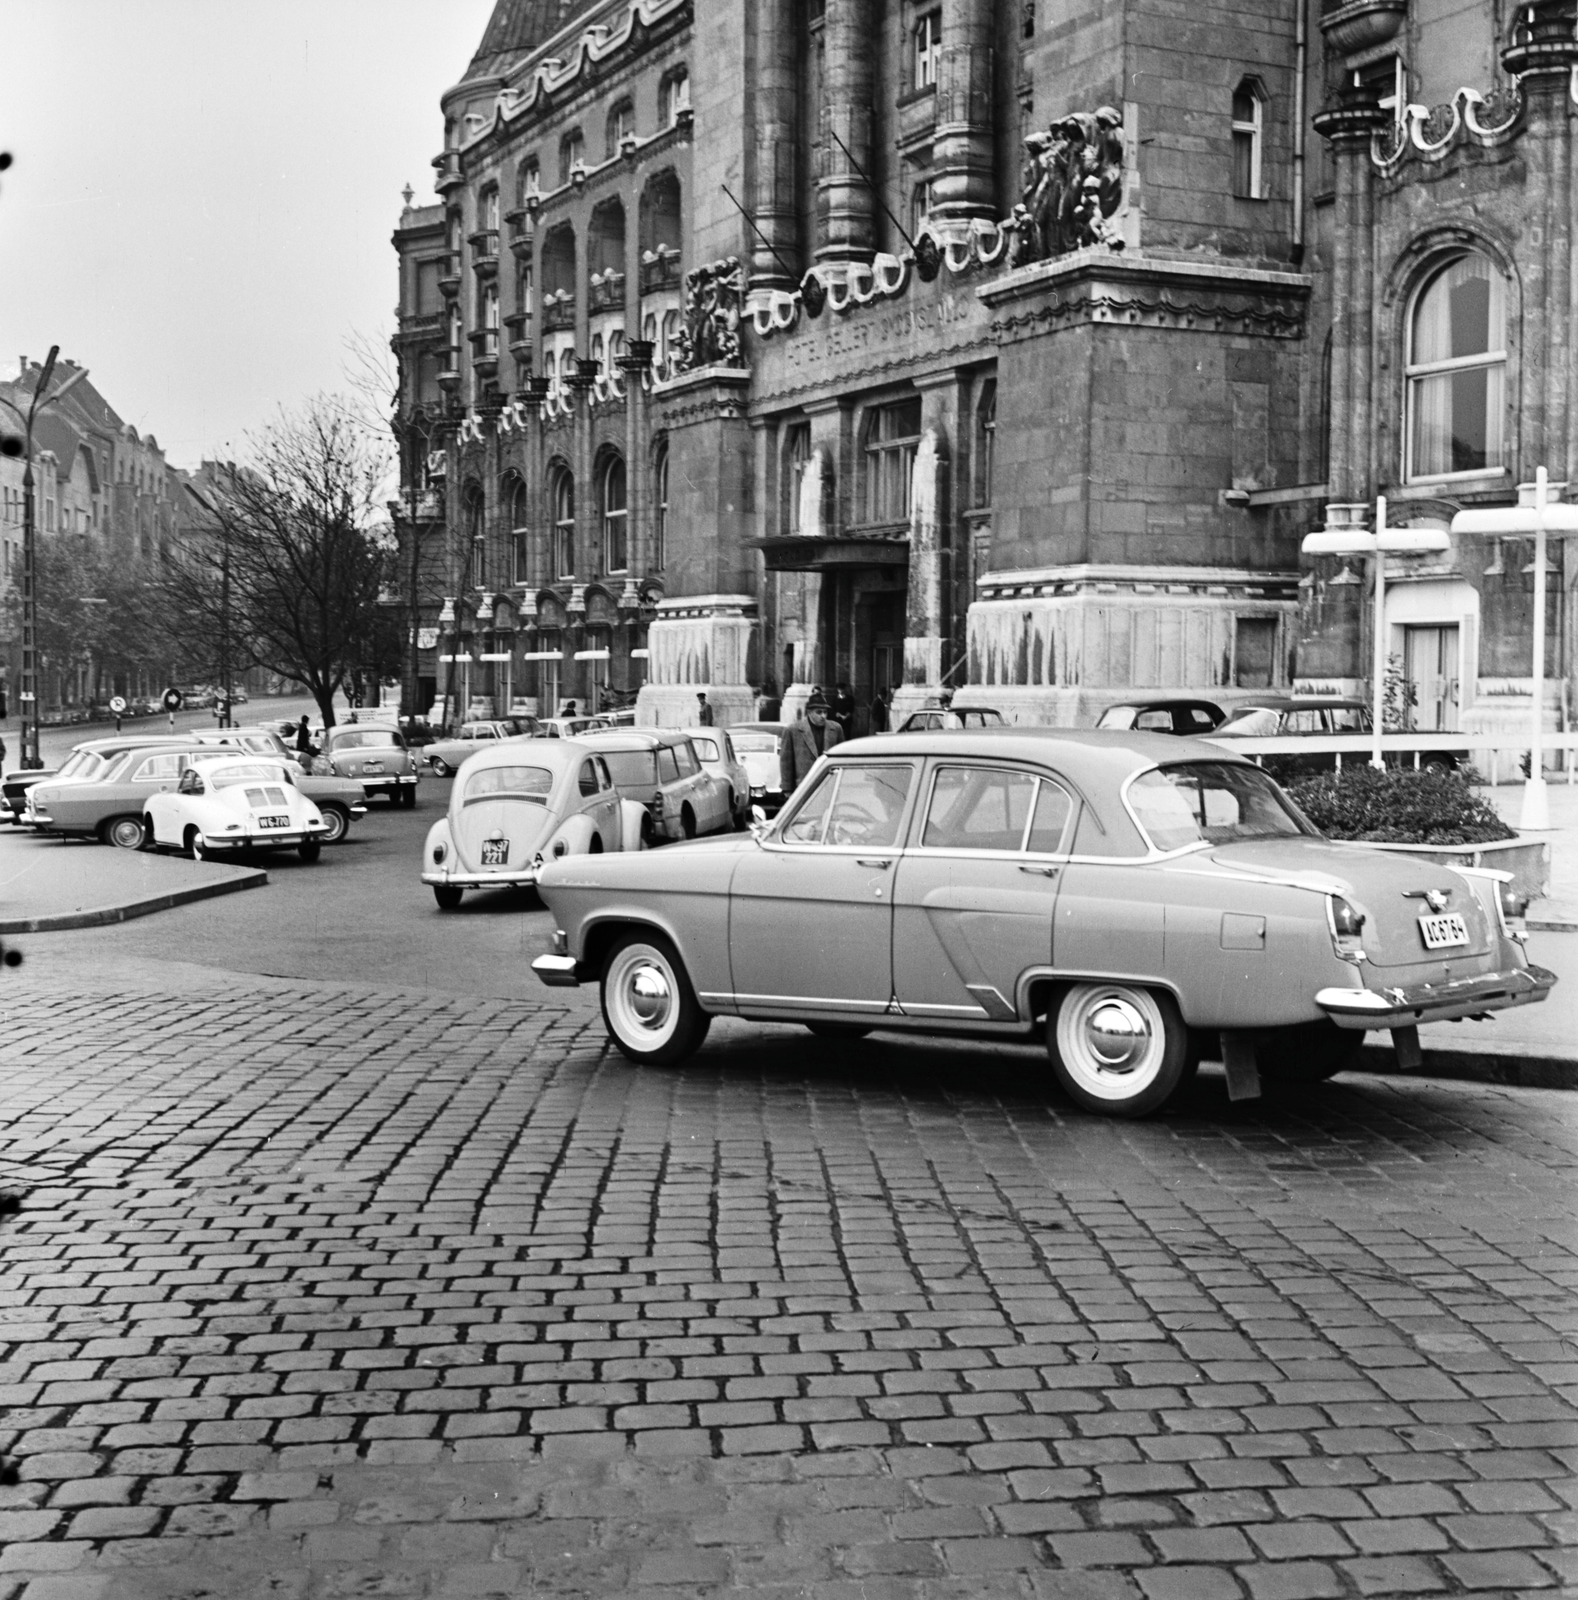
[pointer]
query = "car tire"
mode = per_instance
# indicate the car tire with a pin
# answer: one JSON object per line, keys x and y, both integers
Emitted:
{"x": 447, "y": 896}
{"x": 337, "y": 822}
{"x": 687, "y": 822}
{"x": 126, "y": 833}
{"x": 309, "y": 850}
{"x": 1310, "y": 1053}
{"x": 1117, "y": 1048}
{"x": 147, "y": 828}
{"x": 742, "y": 819}
{"x": 189, "y": 847}
{"x": 408, "y": 794}
{"x": 441, "y": 768}
{"x": 844, "y": 1032}
{"x": 649, "y": 1008}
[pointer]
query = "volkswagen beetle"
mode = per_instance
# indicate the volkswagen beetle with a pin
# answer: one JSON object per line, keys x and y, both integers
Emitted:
{"x": 517, "y": 804}
{"x": 1136, "y": 902}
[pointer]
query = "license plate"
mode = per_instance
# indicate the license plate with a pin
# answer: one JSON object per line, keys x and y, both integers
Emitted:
{"x": 373, "y": 766}
{"x": 1443, "y": 933}
{"x": 273, "y": 822}
{"x": 495, "y": 852}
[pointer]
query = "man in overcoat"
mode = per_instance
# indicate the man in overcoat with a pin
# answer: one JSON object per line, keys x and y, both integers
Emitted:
{"x": 804, "y": 741}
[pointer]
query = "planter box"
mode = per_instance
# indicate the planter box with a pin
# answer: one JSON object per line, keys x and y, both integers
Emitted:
{"x": 1528, "y": 860}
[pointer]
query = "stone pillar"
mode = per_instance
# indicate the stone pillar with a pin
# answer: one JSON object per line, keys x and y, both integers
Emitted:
{"x": 962, "y": 144}
{"x": 845, "y": 200}
{"x": 586, "y": 563}
{"x": 772, "y": 198}
{"x": 635, "y": 363}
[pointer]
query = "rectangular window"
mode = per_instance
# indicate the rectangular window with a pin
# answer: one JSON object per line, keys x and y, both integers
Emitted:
{"x": 892, "y": 437}
{"x": 1255, "y": 640}
{"x": 1247, "y": 118}
{"x": 928, "y": 49}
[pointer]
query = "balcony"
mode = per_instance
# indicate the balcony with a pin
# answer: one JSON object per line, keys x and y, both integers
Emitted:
{"x": 485, "y": 249}
{"x": 659, "y": 269}
{"x": 607, "y": 292}
{"x": 449, "y": 277}
{"x": 447, "y": 168}
{"x": 518, "y": 325}
{"x": 523, "y": 227}
{"x": 558, "y": 312}
{"x": 484, "y": 344}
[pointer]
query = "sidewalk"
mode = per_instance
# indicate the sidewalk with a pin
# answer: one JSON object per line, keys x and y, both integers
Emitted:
{"x": 46, "y": 885}
{"x": 1558, "y": 911}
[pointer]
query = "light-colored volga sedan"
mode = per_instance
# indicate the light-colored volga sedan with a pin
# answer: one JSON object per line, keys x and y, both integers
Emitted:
{"x": 230, "y": 804}
{"x": 519, "y": 803}
{"x": 1137, "y": 903}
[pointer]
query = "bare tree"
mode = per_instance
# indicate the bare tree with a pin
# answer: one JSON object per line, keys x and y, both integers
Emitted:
{"x": 288, "y": 574}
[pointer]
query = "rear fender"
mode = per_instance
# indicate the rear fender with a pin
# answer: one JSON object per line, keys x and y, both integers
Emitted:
{"x": 573, "y": 837}
{"x": 439, "y": 836}
{"x": 632, "y": 819}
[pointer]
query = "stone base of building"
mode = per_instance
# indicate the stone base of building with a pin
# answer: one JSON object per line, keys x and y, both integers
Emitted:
{"x": 674, "y": 705}
{"x": 699, "y": 644}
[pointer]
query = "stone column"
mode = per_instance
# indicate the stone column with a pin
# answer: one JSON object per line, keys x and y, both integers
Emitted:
{"x": 635, "y": 363}
{"x": 844, "y": 198}
{"x": 772, "y": 198}
{"x": 962, "y": 144}
{"x": 586, "y": 563}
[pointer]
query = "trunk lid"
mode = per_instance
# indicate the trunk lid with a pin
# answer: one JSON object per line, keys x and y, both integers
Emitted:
{"x": 523, "y": 824}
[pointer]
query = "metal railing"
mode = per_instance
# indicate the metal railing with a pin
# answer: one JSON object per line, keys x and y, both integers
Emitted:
{"x": 1496, "y": 755}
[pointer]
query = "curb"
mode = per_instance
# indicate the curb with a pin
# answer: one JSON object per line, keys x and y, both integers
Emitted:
{"x": 1476, "y": 1066}
{"x": 252, "y": 878}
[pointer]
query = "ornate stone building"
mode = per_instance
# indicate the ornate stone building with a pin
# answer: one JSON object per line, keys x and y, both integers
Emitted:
{"x": 1007, "y": 349}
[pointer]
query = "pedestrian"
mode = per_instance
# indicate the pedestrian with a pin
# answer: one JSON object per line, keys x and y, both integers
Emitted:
{"x": 879, "y": 712}
{"x": 703, "y": 712}
{"x": 304, "y": 739}
{"x": 569, "y": 709}
{"x": 841, "y": 703}
{"x": 804, "y": 742}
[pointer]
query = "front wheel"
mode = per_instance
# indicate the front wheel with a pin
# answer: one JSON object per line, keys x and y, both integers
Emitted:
{"x": 447, "y": 895}
{"x": 649, "y": 1007}
{"x": 310, "y": 849}
{"x": 337, "y": 823}
{"x": 126, "y": 833}
{"x": 1117, "y": 1048}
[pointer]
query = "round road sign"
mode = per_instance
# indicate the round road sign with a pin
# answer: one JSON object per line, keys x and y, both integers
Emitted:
{"x": 171, "y": 700}
{"x": 117, "y": 705}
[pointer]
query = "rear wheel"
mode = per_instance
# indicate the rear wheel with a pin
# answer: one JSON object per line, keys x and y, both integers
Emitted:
{"x": 337, "y": 822}
{"x": 126, "y": 833}
{"x": 447, "y": 895}
{"x": 189, "y": 843}
{"x": 1311, "y": 1053}
{"x": 310, "y": 849}
{"x": 838, "y": 1030}
{"x": 440, "y": 766}
{"x": 408, "y": 796}
{"x": 1117, "y": 1048}
{"x": 649, "y": 1007}
{"x": 687, "y": 821}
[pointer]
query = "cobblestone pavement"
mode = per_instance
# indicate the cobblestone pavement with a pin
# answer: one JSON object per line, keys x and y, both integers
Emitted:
{"x": 323, "y": 1292}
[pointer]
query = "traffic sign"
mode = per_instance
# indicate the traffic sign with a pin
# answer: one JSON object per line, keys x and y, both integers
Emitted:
{"x": 171, "y": 700}
{"x": 117, "y": 704}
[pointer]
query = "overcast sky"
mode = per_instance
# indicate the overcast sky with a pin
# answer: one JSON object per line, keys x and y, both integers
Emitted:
{"x": 203, "y": 191}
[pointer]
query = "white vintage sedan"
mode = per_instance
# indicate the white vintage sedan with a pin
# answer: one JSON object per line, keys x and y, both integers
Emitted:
{"x": 1136, "y": 901}
{"x": 517, "y": 804}
{"x": 227, "y": 805}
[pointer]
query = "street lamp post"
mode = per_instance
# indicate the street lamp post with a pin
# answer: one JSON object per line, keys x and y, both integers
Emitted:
{"x": 29, "y": 696}
{"x": 1343, "y": 536}
{"x": 1538, "y": 514}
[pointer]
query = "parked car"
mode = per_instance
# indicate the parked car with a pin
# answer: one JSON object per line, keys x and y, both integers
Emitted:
{"x": 445, "y": 755}
{"x": 1295, "y": 716}
{"x": 715, "y": 751}
{"x": 516, "y": 804}
{"x": 930, "y": 719}
{"x": 373, "y": 753}
{"x": 566, "y": 727}
{"x": 658, "y": 768}
{"x": 756, "y": 744}
{"x": 88, "y": 761}
{"x": 233, "y": 804}
{"x": 1163, "y": 714}
{"x": 1123, "y": 897}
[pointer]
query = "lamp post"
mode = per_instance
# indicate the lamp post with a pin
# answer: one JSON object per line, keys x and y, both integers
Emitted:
{"x": 29, "y": 696}
{"x": 1538, "y": 514}
{"x": 1344, "y": 536}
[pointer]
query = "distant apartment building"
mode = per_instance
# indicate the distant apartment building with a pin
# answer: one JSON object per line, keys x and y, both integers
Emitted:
{"x": 1000, "y": 349}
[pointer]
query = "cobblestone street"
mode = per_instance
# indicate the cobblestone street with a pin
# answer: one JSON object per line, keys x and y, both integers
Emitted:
{"x": 317, "y": 1291}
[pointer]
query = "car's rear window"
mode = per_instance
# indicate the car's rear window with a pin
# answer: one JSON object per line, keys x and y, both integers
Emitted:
{"x": 258, "y": 798}
{"x": 1211, "y": 802}
{"x": 231, "y": 776}
{"x": 368, "y": 739}
{"x": 1253, "y": 722}
{"x": 519, "y": 783}
{"x": 706, "y": 749}
{"x": 756, "y": 744}
{"x": 632, "y": 768}
{"x": 1116, "y": 717}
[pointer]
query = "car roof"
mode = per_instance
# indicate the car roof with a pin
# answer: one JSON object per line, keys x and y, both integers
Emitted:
{"x": 553, "y": 754}
{"x": 1299, "y": 702}
{"x": 242, "y": 758}
{"x": 757, "y": 727}
{"x": 1165, "y": 702}
{"x": 633, "y": 738}
{"x": 1100, "y": 755}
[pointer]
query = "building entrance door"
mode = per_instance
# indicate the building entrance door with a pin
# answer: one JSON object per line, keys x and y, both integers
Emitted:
{"x": 1430, "y": 660}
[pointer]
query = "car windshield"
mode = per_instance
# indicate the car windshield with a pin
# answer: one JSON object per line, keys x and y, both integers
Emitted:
{"x": 368, "y": 739}
{"x": 1117, "y": 717}
{"x": 515, "y": 783}
{"x": 1211, "y": 802}
{"x": 1250, "y": 722}
{"x": 82, "y": 764}
{"x": 632, "y": 768}
{"x": 756, "y": 744}
{"x": 229, "y": 777}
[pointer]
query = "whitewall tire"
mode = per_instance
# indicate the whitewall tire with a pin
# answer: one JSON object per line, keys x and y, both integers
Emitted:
{"x": 1117, "y": 1048}
{"x": 649, "y": 1007}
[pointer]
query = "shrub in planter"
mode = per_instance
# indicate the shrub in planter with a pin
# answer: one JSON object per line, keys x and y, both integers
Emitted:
{"x": 1398, "y": 806}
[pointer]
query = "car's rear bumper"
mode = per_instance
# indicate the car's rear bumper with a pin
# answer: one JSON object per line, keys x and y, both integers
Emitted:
{"x": 481, "y": 880}
{"x": 558, "y": 972}
{"x": 1413, "y": 1004}
{"x": 390, "y": 780}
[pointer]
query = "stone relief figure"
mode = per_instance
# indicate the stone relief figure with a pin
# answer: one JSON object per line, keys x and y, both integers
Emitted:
{"x": 714, "y": 302}
{"x": 1071, "y": 183}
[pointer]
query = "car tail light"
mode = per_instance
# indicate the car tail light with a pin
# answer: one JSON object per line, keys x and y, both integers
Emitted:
{"x": 438, "y": 852}
{"x": 1512, "y": 905}
{"x": 1347, "y": 925}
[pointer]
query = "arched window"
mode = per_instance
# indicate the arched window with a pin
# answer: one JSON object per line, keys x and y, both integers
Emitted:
{"x": 621, "y": 126}
{"x": 985, "y": 442}
{"x": 1457, "y": 367}
{"x": 476, "y": 534}
{"x": 1249, "y": 112}
{"x": 520, "y": 531}
{"x": 564, "y": 524}
{"x": 528, "y": 181}
{"x": 616, "y": 545}
{"x": 660, "y": 511}
{"x": 454, "y": 337}
{"x": 675, "y": 96}
{"x": 928, "y": 48}
{"x": 798, "y": 458}
{"x": 489, "y": 345}
{"x": 572, "y": 154}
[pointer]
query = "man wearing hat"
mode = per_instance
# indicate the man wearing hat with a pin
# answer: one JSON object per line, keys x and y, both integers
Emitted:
{"x": 804, "y": 741}
{"x": 703, "y": 712}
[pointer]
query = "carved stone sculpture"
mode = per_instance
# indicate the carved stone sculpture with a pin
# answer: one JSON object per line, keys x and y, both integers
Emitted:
{"x": 714, "y": 303}
{"x": 1071, "y": 183}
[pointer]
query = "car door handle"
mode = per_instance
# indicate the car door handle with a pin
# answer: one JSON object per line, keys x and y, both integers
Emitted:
{"x": 1045, "y": 872}
{"x": 881, "y": 864}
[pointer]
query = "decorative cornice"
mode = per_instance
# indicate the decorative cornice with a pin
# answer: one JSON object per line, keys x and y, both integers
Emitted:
{"x": 1430, "y": 133}
{"x": 1111, "y": 578}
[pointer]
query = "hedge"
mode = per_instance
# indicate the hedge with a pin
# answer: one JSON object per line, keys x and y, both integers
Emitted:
{"x": 1399, "y": 805}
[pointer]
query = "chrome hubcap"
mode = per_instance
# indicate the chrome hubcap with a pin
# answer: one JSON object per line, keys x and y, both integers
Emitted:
{"x": 649, "y": 995}
{"x": 1117, "y": 1035}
